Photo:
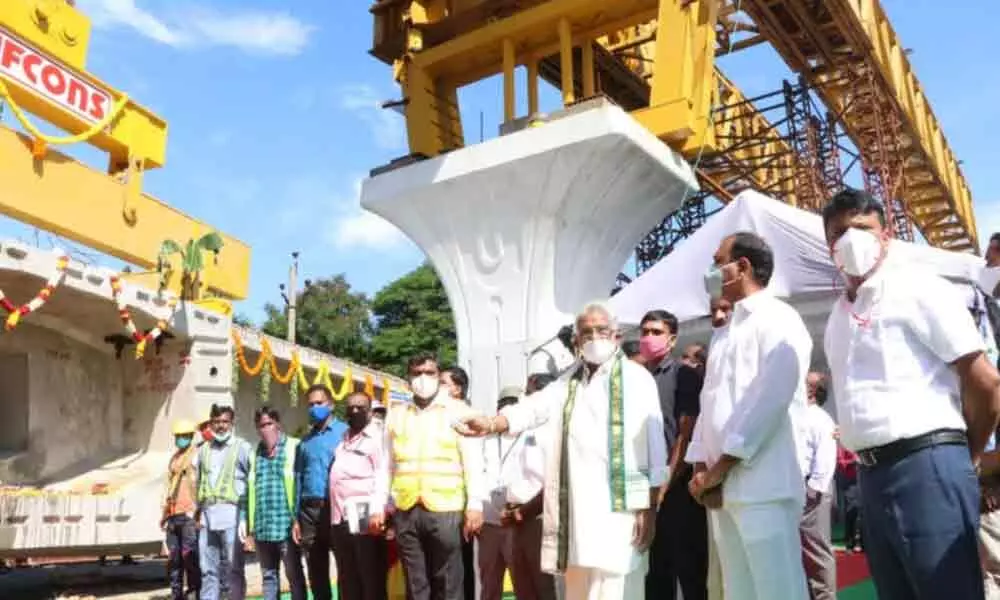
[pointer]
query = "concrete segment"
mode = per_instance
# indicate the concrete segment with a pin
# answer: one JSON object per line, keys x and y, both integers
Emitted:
{"x": 526, "y": 228}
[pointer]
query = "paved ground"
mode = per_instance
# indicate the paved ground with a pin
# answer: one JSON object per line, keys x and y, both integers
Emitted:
{"x": 86, "y": 581}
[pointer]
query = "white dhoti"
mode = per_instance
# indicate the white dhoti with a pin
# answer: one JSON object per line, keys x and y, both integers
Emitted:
{"x": 594, "y": 584}
{"x": 714, "y": 583}
{"x": 760, "y": 551}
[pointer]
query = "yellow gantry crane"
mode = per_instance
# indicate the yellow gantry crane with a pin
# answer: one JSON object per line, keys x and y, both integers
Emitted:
{"x": 656, "y": 59}
{"x": 43, "y": 52}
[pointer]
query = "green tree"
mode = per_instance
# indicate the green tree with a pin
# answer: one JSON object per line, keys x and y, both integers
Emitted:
{"x": 242, "y": 320}
{"x": 330, "y": 318}
{"x": 412, "y": 315}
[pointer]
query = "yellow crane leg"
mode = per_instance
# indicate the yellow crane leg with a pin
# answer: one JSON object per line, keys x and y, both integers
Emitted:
{"x": 433, "y": 122}
{"x": 71, "y": 200}
{"x": 681, "y": 89}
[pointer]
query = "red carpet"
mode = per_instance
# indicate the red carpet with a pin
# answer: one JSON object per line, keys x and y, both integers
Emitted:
{"x": 852, "y": 569}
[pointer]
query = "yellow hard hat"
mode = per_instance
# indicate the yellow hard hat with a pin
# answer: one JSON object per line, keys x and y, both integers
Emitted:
{"x": 184, "y": 427}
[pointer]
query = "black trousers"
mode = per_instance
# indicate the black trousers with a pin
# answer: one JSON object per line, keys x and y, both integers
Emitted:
{"x": 469, "y": 569}
{"x": 679, "y": 553}
{"x": 182, "y": 560}
{"x": 362, "y": 564}
{"x": 430, "y": 548}
{"x": 314, "y": 522}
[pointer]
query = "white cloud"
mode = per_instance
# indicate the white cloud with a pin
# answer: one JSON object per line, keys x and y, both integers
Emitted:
{"x": 387, "y": 127}
{"x": 252, "y": 31}
{"x": 356, "y": 228}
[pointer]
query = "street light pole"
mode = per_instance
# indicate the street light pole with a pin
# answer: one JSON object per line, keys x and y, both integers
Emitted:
{"x": 293, "y": 295}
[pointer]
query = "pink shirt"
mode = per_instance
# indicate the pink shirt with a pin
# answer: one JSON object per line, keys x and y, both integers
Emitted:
{"x": 359, "y": 469}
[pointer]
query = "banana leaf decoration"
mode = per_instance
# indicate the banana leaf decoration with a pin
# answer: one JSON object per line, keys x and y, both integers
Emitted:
{"x": 192, "y": 262}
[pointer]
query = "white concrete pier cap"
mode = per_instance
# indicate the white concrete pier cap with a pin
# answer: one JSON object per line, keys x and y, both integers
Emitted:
{"x": 526, "y": 228}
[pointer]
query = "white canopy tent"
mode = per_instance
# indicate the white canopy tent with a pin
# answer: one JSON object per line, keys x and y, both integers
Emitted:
{"x": 803, "y": 271}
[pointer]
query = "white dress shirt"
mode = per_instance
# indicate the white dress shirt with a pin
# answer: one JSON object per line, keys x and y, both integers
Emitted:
{"x": 817, "y": 447}
{"x": 501, "y": 466}
{"x": 755, "y": 374}
{"x": 890, "y": 355}
{"x": 528, "y": 459}
{"x": 599, "y": 537}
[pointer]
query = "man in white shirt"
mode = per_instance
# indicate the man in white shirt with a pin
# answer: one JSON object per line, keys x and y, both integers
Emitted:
{"x": 818, "y": 456}
{"x": 496, "y": 542}
{"x": 915, "y": 396}
{"x": 607, "y": 461}
{"x": 524, "y": 504}
{"x": 746, "y": 468}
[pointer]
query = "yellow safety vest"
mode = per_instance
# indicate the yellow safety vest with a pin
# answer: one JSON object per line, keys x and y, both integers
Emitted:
{"x": 427, "y": 463}
{"x": 288, "y": 472}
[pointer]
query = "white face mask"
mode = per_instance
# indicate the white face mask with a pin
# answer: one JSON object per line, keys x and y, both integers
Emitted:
{"x": 425, "y": 386}
{"x": 597, "y": 352}
{"x": 857, "y": 252}
{"x": 989, "y": 278}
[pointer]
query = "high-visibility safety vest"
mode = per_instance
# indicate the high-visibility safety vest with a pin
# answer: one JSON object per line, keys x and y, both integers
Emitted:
{"x": 288, "y": 474}
{"x": 224, "y": 489}
{"x": 427, "y": 462}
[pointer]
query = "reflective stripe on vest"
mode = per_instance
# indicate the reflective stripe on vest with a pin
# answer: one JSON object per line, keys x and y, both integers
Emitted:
{"x": 224, "y": 490}
{"x": 427, "y": 460}
{"x": 288, "y": 473}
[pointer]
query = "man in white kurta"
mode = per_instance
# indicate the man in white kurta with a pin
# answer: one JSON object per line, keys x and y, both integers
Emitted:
{"x": 598, "y": 517}
{"x": 743, "y": 447}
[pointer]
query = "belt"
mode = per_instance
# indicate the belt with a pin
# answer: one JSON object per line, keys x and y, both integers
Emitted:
{"x": 313, "y": 502}
{"x": 895, "y": 451}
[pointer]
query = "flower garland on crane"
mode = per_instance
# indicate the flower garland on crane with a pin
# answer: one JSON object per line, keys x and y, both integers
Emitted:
{"x": 295, "y": 377}
{"x": 142, "y": 340}
{"x": 16, "y": 313}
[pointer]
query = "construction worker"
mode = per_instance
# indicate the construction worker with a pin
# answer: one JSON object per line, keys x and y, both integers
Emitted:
{"x": 271, "y": 505}
{"x": 205, "y": 428}
{"x": 179, "y": 507}
{"x": 437, "y": 484}
{"x": 223, "y": 469}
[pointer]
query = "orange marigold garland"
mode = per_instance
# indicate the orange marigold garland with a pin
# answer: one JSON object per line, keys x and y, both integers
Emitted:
{"x": 15, "y": 313}
{"x": 142, "y": 340}
{"x": 261, "y": 359}
{"x": 293, "y": 367}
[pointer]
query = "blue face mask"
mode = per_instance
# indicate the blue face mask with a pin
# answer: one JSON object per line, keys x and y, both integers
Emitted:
{"x": 182, "y": 442}
{"x": 222, "y": 438}
{"x": 319, "y": 412}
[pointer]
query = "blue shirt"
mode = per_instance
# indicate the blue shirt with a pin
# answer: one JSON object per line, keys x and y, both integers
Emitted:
{"x": 312, "y": 463}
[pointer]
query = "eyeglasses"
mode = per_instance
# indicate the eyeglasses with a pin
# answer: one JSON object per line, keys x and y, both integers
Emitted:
{"x": 601, "y": 331}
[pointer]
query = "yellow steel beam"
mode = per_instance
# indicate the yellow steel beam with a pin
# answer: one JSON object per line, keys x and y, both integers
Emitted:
{"x": 534, "y": 32}
{"x": 71, "y": 200}
{"x": 860, "y": 29}
{"x": 43, "y": 46}
{"x": 886, "y": 52}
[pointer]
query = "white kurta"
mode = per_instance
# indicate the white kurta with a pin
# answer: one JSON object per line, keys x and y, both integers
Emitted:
{"x": 754, "y": 380}
{"x": 599, "y": 538}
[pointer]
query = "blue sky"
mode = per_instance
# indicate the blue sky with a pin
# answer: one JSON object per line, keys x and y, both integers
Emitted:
{"x": 274, "y": 119}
